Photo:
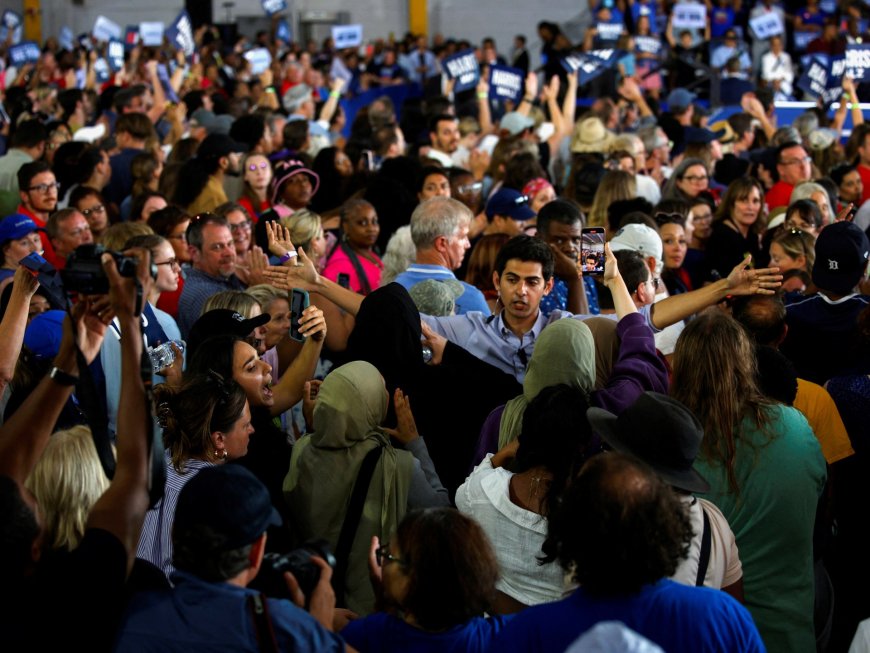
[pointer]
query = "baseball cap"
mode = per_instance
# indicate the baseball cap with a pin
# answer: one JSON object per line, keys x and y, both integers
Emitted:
{"x": 44, "y": 333}
{"x": 218, "y": 145}
{"x": 436, "y": 297}
{"x": 230, "y": 501}
{"x": 509, "y": 202}
{"x": 638, "y": 238}
{"x": 842, "y": 251}
{"x": 660, "y": 431}
{"x": 222, "y": 321}
{"x": 724, "y": 131}
{"x": 515, "y": 123}
{"x": 679, "y": 99}
{"x": 16, "y": 226}
{"x": 700, "y": 135}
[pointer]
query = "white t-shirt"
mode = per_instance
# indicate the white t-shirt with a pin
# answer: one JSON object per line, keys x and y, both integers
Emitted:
{"x": 724, "y": 567}
{"x": 516, "y": 535}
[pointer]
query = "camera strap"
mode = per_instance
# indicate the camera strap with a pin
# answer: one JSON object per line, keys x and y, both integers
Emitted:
{"x": 258, "y": 606}
{"x": 351, "y": 522}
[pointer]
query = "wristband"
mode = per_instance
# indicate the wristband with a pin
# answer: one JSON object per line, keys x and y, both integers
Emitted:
{"x": 271, "y": 90}
{"x": 335, "y": 94}
{"x": 482, "y": 95}
{"x": 62, "y": 378}
{"x": 287, "y": 256}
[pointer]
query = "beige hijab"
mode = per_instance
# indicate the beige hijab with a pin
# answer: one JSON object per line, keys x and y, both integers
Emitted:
{"x": 351, "y": 404}
{"x": 606, "y": 347}
{"x": 564, "y": 353}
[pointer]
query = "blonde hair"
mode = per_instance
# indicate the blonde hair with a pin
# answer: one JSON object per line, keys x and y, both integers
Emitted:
{"x": 265, "y": 294}
{"x": 234, "y": 300}
{"x": 615, "y": 185}
{"x": 304, "y": 226}
{"x": 67, "y": 481}
{"x": 116, "y": 236}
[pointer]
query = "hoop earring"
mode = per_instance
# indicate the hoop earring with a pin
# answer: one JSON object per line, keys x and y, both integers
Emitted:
{"x": 221, "y": 455}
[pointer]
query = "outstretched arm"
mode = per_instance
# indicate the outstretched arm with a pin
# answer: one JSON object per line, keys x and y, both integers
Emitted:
{"x": 305, "y": 276}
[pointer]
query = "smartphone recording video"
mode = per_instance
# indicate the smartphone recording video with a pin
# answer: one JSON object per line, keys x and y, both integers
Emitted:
{"x": 592, "y": 250}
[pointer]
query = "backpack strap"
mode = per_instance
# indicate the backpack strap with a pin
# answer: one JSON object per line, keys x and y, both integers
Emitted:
{"x": 351, "y": 521}
{"x": 258, "y": 606}
{"x": 706, "y": 542}
{"x": 360, "y": 272}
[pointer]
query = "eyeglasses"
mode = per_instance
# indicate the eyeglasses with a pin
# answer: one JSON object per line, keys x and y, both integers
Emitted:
{"x": 173, "y": 262}
{"x": 382, "y": 553}
{"x": 45, "y": 188}
{"x": 656, "y": 282}
{"x": 696, "y": 178}
{"x": 241, "y": 226}
{"x": 796, "y": 162}
{"x": 96, "y": 210}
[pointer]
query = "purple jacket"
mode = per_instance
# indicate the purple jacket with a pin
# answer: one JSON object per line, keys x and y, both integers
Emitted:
{"x": 638, "y": 369}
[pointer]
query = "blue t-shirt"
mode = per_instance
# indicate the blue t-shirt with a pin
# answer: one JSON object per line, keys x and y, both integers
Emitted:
{"x": 557, "y": 300}
{"x": 471, "y": 300}
{"x": 679, "y": 618}
{"x": 383, "y": 633}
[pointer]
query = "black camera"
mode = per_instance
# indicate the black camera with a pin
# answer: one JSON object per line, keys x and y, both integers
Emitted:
{"x": 270, "y": 580}
{"x": 84, "y": 272}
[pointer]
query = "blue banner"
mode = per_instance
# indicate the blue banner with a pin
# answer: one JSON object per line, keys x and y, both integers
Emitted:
{"x": 282, "y": 32}
{"x": 822, "y": 77}
{"x": 131, "y": 37}
{"x": 462, "y": 67}
{"x": 506, "y": 83}
{"x": 10, "y": 23}
{"x": 24, "y": 53}
{"x": 115, "y": 55}
{"x": 180, "y": 33}
{"x": 592, "y": 64}
{"x": 858, "y": 62}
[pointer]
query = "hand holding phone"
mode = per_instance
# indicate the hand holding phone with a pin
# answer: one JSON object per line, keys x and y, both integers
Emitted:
{"x": 298, "y": 303}
{"x": 592, "y": 255}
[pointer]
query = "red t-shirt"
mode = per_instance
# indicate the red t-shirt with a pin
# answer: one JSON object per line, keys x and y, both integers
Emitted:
{"x": 779, "y": 195}
{"x": 864, "y": 171}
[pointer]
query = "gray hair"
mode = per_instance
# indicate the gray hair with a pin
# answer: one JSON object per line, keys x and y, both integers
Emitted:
{"x": 804, "y": 191}
{"x": 399, "y": 255}
{"x": 439, "y": 216}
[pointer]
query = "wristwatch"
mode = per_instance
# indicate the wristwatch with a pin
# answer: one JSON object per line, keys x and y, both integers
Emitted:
{"x": 62, "y": 378}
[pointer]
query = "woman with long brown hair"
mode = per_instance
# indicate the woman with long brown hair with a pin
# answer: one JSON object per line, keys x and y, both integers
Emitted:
{"x": 766, "y": 472}
{"x": 737, "y": 227}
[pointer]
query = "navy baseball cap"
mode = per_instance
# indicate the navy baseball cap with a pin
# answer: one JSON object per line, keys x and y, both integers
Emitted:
{"x": 842, "y": 252}
{"x": 44, "y": 333}
{"x": 511, "y": 203}
{"x": 219, "y": 321}
{"x": 230, "y": 501}
{"x": 16, "y": 226}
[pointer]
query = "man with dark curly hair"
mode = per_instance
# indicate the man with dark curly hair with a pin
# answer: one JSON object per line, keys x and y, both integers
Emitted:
{"x": 621, "y": 531}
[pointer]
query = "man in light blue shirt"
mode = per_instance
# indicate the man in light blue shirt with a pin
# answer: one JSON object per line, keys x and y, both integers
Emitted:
{"x": 439, "y": 229}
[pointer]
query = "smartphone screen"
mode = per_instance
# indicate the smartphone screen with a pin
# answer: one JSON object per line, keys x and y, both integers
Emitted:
{"x": 298, "y": 303}
{"x": 592, "y": 250}
{"x": 344, "y": 280}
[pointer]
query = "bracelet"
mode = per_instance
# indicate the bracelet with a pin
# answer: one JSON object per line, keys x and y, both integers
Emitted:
{"x": 287, "y": 256}
{"x": 62, "y": 378}
{"x": 529, "y": 100}
{"x": 271, "y": 90}
{"x": 482, "y": 95}
{"x": 335, "y": 94}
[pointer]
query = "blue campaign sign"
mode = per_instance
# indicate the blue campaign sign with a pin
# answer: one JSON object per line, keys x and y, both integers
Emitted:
{"x": 506, "y": 83}
{"x": 272, "y": 7}
{"x": 823, "y": 77}
{"x": 858, "y": 62}
{"x": 131, "y": 37}
{"x": 10, "y": 23}
{"x": 180, "y": 33}
{"x": 609, "y": 31}
{"x": 463, "y": 67}
{"x": 65, "y": 38}
{"x": 802, "y": 40}
{"x": 689, "y": 15}
{"x": 592, "y": 64}
{"x": 766, "y": 25}
{"x": 347, "y": 36}
{"x": 106, "y": 30}
{"x": 115, "y": 55}
{"x": 101, "y": 70}
{"x": 282, "y": 32}
{"x": 24, "y": 53}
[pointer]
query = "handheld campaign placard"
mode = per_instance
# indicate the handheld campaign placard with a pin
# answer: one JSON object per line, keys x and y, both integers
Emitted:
{"x": 115, "y": 55}
{"x": 282, "y": 32}
{"x": 151, "y": 33}
{"x": 10, "y": 23}
{"x": 463, "y": 67}
{"x": 823, "y": 77}
{"x": 590, "y": 65}
{"x": 24, "y": 53}
{"x": 260, "y": 60}
{"x": 272, "y": 7}
{"x": 689, "y": 15}
{"x": 106, "y": 30}
{"x": 347, "y": 36}
{"x": 180, "y": 33}
{"x": 858, "y": 62}
{"x": 506, "y": 83}
{"x": 766, "y": 25}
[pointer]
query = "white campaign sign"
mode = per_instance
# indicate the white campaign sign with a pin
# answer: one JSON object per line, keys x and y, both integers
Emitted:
{"x": 106, "y": 30}
{"x": 689, "y": 15}
{"x": 766, "y": 25}
{"x": 347, "y": 36}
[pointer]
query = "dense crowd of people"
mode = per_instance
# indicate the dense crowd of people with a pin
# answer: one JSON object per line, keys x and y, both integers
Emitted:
{"x": 438, "y": 371}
